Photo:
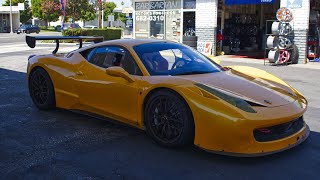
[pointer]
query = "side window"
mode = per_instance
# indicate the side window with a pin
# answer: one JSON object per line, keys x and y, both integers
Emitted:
{"x": 108, "y": 56}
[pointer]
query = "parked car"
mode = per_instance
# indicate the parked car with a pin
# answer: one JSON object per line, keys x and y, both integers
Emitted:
{"x": 28, "y": 28}
{"x": 179, "y": 96}
{"x": 90, "y": 27}
{"x": 71, "y": 26}
{"x": 57, "y": 28}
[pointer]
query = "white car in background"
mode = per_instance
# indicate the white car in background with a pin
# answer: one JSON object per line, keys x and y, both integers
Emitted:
{"x": 90, "y": 27}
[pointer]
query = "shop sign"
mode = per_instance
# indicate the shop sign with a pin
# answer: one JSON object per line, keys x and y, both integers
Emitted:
{"x": 152, "y": 15}
{"x": 189, "y": 4}
{"x": 129, "y": 22}
{"x": 238, "y": 2}
{"x": 158, "y": 5}
{"x": 294, "y": 4}
{"x": 204, "y": 47}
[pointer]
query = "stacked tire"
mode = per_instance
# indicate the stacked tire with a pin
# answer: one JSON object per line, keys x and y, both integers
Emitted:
{"x": 280, "y": 43}
{"x": 190, "y": 41}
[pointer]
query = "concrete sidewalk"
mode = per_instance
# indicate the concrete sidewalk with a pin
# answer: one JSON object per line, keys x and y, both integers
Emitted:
{"x": 230, "y": 58}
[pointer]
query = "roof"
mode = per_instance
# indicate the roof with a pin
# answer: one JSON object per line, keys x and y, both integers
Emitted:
{"x": 132, "y": 42}
{"x": 123, "y": 42}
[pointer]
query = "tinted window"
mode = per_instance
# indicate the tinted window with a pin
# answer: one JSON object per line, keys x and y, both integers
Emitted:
{"x": 108, "y": 56}
{"x": 174, "y": 59}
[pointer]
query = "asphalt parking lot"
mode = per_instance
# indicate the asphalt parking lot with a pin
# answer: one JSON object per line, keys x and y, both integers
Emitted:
{"x": 63, "y": 145}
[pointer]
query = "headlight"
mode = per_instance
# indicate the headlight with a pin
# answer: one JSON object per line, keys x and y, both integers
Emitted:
{"x": 235, "y": 101}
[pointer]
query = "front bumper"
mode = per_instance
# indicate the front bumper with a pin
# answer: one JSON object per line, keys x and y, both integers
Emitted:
{"x": 224, "y": 129}
{"x": 300, "y": 138}
{"x": 20, "y": 31}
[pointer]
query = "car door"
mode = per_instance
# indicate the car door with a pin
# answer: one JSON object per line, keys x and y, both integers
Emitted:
{"x": 105, "y": 94}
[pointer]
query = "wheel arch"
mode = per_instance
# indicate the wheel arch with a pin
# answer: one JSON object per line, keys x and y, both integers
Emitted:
{"x": 33, "y": 69}
{"x": 148, "y": 95}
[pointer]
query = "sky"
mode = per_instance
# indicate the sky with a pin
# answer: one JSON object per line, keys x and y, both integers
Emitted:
{"x": 127, "y": 3}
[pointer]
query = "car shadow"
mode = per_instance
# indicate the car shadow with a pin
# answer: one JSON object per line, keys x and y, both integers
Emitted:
{"x": 60, "y": 144}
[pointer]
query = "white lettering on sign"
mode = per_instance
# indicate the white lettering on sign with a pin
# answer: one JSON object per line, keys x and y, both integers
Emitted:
{"x": 156, "y": 5}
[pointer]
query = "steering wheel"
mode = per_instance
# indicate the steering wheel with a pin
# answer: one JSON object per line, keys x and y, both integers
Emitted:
{"x": 180, "y": 62}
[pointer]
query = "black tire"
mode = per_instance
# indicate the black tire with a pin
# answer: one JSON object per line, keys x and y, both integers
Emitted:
{"x": 189, "y": 38}
{"x": 27, "y": 32}
{"x": 41, "y": 89}
{"x": 37, "y": 32}
{"x": 168, "y": 119}
{"x": 294, "y": 54}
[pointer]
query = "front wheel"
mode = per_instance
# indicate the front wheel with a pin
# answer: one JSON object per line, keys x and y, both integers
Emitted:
{"x": 168, "y": 119}
{"x": 41, "y": 89}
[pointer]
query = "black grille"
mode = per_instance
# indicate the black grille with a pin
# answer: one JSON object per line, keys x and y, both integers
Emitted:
{"x": 279, "y": 131}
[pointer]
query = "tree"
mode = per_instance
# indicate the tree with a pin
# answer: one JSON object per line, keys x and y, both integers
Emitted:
{"x": 25, "y": 15}
{"x": 80, "y": 10}
{"x": 120, "y": 16}
{"x": 108, "y": 8}
{"x": 47, "y": 10}
{"x": 51, "y": 10}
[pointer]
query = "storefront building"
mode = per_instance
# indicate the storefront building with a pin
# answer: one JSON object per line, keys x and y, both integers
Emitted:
{"x": 243, "y": 24}
{"x": 5, "y": 18}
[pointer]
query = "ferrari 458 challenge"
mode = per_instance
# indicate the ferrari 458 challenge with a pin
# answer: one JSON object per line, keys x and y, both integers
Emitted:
{"x": 177, "y": 95}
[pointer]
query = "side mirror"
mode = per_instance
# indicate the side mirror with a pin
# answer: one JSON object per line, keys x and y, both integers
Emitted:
{"x": 117, "y": 71}
{"x": 215, "y": 59}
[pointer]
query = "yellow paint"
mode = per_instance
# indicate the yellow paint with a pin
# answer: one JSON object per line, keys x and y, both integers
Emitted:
{"x": 219, "y": 126}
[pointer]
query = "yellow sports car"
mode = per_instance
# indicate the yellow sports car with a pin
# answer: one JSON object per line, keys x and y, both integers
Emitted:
{"x": 179, "y": 96}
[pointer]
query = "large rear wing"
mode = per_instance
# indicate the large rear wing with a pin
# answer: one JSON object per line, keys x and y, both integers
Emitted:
{"x": 31, "y": 40}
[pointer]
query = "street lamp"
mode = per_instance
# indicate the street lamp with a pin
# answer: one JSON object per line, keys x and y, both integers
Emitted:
{"x": 11, "y": 31}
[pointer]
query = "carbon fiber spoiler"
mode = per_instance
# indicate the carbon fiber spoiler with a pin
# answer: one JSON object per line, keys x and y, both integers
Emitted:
{"x": 31, "y": 40}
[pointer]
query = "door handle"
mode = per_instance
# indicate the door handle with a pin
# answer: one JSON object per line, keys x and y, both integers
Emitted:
{"x": 79, "y": 73}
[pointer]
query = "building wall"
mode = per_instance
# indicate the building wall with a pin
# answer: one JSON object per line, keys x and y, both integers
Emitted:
{"x": 15, "y": 21}
{"x": 301, "y": 27}
{"x": 206, "y": 21}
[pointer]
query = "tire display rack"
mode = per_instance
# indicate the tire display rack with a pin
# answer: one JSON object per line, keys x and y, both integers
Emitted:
{"x": 280, "y": 48}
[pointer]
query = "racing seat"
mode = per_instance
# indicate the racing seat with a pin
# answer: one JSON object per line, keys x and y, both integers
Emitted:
{"x": 155, "y": 61}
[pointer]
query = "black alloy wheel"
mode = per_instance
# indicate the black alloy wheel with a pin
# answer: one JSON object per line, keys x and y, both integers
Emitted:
{"x": 41, "y": 89}
{"x": 168, "y": 119}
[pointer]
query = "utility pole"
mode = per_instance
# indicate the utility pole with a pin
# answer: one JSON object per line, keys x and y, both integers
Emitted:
{"x": 99, "y": 13}
{"x": 11, "y": 31}
{"x": 102, "y": 9}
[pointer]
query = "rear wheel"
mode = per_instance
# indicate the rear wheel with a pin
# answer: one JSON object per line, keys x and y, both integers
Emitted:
{"x": 28, "y": 32}
{"x": 41, "y": 89}
{"x": 168, "y": 119}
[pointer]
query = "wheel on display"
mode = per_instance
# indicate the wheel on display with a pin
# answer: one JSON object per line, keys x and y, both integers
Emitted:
{"x": 275, "y": 28}
{"x": 284, "y": 14}
{"x": 284, "y": 43}
{"x": 294, "y": 54}
{"x": 273, "y": 56}
{"x": 272, "y": 41}
{"x": 168, "y": 119}
{"x": 284, "y": 57}
{"x": 41, "y": 89}
{"x": 281, "y": 28}
{"x": 284, "y": 29}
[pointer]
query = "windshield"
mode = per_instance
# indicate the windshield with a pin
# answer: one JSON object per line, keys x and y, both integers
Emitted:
{"x": 25, "y": 26}
{"x": 174, "y": 59}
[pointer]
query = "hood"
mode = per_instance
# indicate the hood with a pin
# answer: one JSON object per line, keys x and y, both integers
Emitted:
{"x": 257, "y": 90}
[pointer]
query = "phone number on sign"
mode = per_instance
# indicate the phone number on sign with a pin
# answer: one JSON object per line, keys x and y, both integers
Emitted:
{"x": 150, "y": 18}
